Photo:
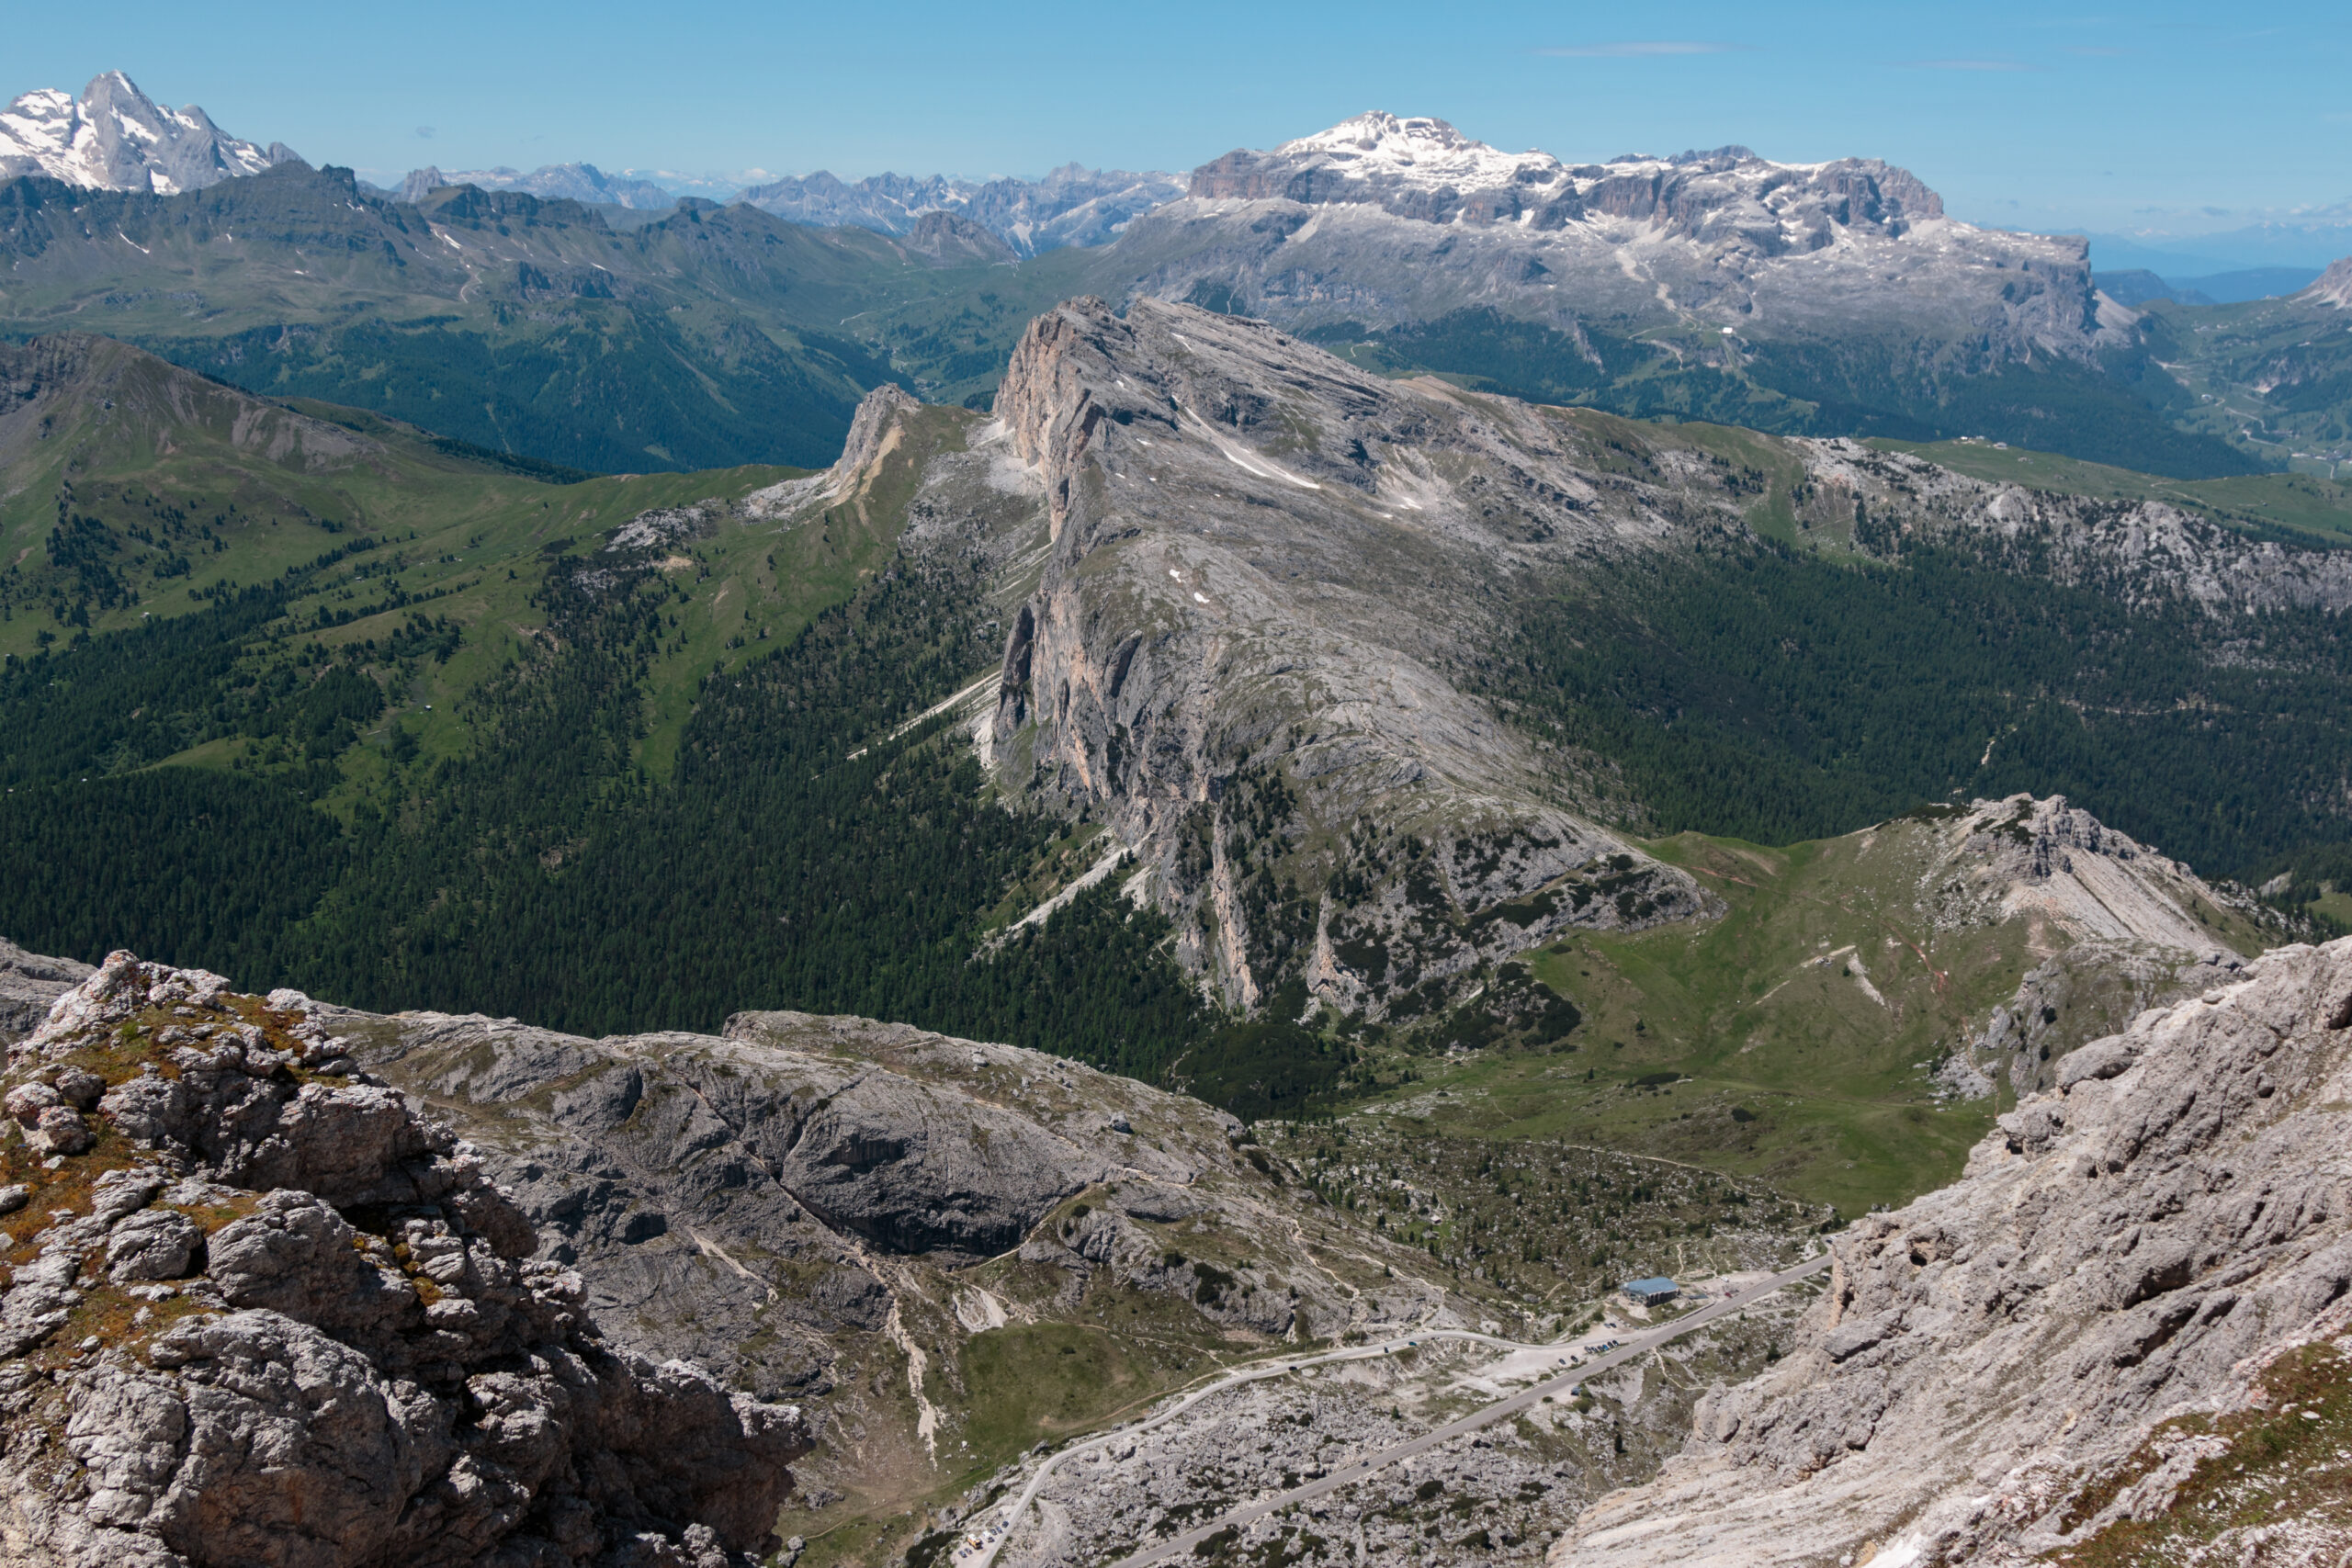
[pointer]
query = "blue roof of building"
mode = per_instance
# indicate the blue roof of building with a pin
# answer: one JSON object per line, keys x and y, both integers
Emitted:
{"x": 1650, "y": 1287}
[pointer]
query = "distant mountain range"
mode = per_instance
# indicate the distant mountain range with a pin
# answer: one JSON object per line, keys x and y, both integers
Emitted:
{"x": 1836, "y": 297}
{"x": 2308, "y": 239}
{"x": 553, "y": 182}
{"x": 1723, "y": 245}
{"x": 1071, "y": 206}
{"x": 115, "y": 137}
{"x": 2137, "y": 286}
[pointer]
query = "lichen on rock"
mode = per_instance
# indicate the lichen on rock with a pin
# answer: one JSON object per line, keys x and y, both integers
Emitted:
{"x": 259, "y": 1311}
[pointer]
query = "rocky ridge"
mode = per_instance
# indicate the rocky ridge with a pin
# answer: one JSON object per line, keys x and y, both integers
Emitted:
{"x": 849, "y": 1213}
{"x": 834, "y": 1207}
{"x": 1265, "y": 566}
{"x": 2112, "y": 928}
{"x": 2050, "y": 862}
{"x": 549, "y": 182}
{"x": 1070, "y": 206}
{"x": 45, "y": 383}
{"x": 2143, "y": 554}
{"x": 1271, "y": 578}
{"x": 2334, "y": 286}
{"x": 2126, "y": 1324}
{"x": 261, "y": 1312}
{"x": 115, "y": 137}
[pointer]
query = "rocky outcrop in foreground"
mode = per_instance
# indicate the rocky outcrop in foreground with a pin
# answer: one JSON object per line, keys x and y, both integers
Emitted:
{"x": 834, "y": 1208}
{"x": 2126, "y": 1326}
{"x": 259, "y": 1312}
{"x": 29, "y": 986}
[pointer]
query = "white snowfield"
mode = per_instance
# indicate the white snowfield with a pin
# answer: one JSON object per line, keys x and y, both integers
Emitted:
{"x": 1426, "y": 153}
{"x": 1430, "y": 155}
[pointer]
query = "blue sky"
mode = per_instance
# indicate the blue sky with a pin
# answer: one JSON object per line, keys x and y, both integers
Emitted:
{"x": 2165, "y": 117}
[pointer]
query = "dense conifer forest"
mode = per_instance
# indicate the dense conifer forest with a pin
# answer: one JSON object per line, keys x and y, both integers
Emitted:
{"x": 1769, "y": 693}
{"x": 545, "y": 875}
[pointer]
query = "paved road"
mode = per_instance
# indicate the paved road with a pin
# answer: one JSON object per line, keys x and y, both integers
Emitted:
{"x": 984, "y": 1555}
{"x": 1348, "y": 1475}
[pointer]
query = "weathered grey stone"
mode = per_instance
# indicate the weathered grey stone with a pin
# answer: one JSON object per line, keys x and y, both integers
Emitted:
{"x": 160, "y": 1244}
{"x": 405, "y": 1388}
{"x": 2139, "y": 1244}
{"x": 28, "y": 985}
{"x": 1386, "y": 220}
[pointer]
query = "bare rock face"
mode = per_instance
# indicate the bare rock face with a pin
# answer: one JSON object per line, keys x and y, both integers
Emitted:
{"x": 28, "y": 985}
{"x": 2146, "y": 555}
{"x": 761, "y": 1200}
{"x": 265, "y": 1313}
{"x": 2133, "y": 1304}
{"x": 2334, "y": 286}
{"x": 1425, "y": 169}
{"x": 947, "y": 239}
{"x": 1266, "y": 567}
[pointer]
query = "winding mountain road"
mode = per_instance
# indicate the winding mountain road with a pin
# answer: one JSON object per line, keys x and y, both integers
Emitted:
{"x": 982, "y": 1554}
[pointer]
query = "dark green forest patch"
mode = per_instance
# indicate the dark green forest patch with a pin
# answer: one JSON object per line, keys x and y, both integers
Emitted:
{"x": 1768, "y": 695}
{"x": 544, "y": 874}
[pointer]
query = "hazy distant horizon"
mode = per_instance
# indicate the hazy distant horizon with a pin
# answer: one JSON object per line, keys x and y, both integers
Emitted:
{"x": 2164, "y": 125}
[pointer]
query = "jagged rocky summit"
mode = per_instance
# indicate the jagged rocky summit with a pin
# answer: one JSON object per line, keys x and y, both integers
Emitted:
{"x": 1266, "y": 571}
{"x": 1270, "y": 582}
{"x": 261, "y": 1312}
{"x": 2125, "y": 1328}
{"x": 115, "y": 137}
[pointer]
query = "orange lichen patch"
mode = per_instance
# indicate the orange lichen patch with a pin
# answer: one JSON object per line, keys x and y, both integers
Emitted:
{"x": 72, "y": 1186}
{"x": 131, "y": 1048}
{"x": 2286, "y": 1467}
{"x": 117, "y": 1319}
{"x": 428, "y": 1289}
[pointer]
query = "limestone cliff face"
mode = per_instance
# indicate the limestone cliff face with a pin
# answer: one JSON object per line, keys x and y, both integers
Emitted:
{"x": 1383, "y": 220}
{"x": 1265, "y": 569}
{"x": 2144, "y": 554}
{"x": 2334, "y": 286}
{"x": 2110, "y": 1319}
{"x": 29, "y": 985}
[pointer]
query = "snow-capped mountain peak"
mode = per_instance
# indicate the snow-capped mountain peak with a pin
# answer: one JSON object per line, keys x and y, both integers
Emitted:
{"x": 1421, "y": 151}
{"x": 116, "y": 137}
{"x": 1425, "y": 169}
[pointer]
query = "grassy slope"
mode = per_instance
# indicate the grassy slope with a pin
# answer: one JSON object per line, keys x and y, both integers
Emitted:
{"x": 2271, "y": 376}
{"x": 1837, "y": 1082}
{"x": 713, "y": 333}
{"x": 2299, "y": 502}
{"x": 456, "y": 529}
